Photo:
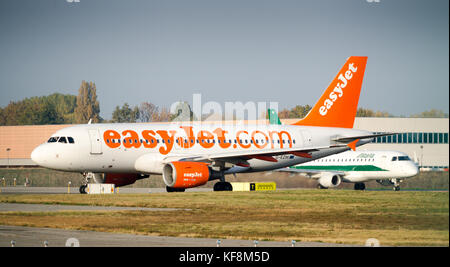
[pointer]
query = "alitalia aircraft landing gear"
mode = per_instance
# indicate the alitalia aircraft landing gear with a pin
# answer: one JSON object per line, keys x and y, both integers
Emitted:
{"x": 396, "y": 184}
{"x": 360, "y": 186}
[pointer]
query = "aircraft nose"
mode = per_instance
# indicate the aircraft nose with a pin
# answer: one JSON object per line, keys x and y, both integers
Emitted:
{"x": 413, "y": 170}
{"x": 38, "y": 155}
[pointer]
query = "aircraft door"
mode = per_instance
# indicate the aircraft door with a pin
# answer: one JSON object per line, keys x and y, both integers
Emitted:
{"x": 96, "y": 145}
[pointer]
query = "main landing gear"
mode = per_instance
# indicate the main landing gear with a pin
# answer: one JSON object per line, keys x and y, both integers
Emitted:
{"x": 171, "y": 189}
{"x": 360, "y": 186}
{"x": 223, "y": 186}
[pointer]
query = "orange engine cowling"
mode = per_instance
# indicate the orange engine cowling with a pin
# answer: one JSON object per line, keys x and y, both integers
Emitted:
{"x": 121, "y": 179}
{"x": 184, "y": 174}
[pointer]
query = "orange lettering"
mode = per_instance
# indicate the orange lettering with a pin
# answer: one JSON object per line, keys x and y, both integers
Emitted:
{"x": 280, "y": 138}
{"x": 203, "y": 137}
{"x": 148, "y": 136}
{"x": 190, "y": 138}
{"x": 110, "y": 138}
{"x": 255, "y": 142}
{"x": 132, "y": 140}
{"x": 221, "y": 137}
{"x": 239, "y": 141}
{"x": 168, "y": 140}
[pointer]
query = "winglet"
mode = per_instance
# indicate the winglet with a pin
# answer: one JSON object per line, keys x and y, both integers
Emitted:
{"x": 352, "y": 144}
{"x": 338, "y": 104}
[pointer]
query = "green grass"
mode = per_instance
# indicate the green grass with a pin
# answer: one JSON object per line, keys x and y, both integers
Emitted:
{"x": 336, "y": 216}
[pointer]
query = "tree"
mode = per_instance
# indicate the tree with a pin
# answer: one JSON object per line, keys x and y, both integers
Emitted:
{"x": 432, "y": 113}
{"x": 125, "y": 114}
{"x": 164, "y": 115}
{"x": 87, "y": 105}
{"x": 298, "y": 111}
{"x": 148, "y": 112}
{"x": 364, "y": 112}
{"x": 65, "y": 106}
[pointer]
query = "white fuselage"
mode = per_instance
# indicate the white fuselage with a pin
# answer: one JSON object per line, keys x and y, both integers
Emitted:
{"x": 363, "y": 166}
{"x": 145, "y": 148}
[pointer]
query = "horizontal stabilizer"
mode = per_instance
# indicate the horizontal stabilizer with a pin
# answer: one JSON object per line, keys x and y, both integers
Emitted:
{"x": 353, "y": 138}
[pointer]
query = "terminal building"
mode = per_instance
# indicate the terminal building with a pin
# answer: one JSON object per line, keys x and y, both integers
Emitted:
{"x": 425, "y": 140}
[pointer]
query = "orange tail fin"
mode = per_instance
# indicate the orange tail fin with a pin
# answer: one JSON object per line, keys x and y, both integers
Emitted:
{"x": 338, "y": 104}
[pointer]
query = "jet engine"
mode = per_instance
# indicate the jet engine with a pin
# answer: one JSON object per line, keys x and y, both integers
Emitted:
{"x": 330, "y": 180}
{"x": 184, "y": 174}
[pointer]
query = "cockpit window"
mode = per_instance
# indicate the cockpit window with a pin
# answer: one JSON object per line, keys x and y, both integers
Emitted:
{"x": 403, "y": 158}
{"x": 53, "y": 139}
{"x": 63, "y": 140}
{"x": 394, "y": 158}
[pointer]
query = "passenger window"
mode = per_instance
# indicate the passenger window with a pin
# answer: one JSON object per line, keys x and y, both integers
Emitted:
{"x": 62, "y": 140}
{"x": 71, "y": 141}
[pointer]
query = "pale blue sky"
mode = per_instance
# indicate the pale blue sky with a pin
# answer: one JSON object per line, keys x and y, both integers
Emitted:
{"x": 283, "y": 51}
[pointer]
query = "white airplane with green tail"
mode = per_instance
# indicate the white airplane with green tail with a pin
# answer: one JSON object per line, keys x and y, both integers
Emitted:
{"x": 386, "y": 167}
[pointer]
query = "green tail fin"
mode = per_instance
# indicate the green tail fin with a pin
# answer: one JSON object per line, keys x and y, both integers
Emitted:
{"x": 273, "y": 117}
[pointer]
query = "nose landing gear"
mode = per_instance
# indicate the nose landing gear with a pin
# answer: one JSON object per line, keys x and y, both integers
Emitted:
{"x": 83, "y": 189}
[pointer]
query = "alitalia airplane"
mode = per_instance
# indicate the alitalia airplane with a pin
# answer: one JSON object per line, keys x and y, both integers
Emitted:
{"x": 386, "y": 167}
{"x": 191, "y": 154}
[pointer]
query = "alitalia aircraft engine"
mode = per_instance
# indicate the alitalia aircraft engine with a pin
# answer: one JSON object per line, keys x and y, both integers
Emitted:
{"x": 328, "y": 180}
{"x": 185, "y": 174}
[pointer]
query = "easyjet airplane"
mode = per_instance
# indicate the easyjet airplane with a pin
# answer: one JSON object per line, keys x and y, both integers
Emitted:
{"x": 191, "y": 154}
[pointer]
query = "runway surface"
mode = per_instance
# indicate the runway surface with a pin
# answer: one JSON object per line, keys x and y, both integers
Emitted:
{"x": 35, "y": 237}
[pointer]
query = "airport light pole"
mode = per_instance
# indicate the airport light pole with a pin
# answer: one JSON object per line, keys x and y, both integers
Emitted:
{"x": 7, "y": 153}
{"x": 421, "y": 157}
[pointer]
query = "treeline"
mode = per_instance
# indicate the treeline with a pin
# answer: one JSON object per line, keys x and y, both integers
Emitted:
{"x": 69, "y": 109}
{"x": 54, "y": 109}
{"x": 300, "y": 111}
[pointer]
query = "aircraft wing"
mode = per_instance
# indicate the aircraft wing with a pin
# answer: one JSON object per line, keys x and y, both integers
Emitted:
{"x": 240, "y": 158}
{"x": 311, "y": 173}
